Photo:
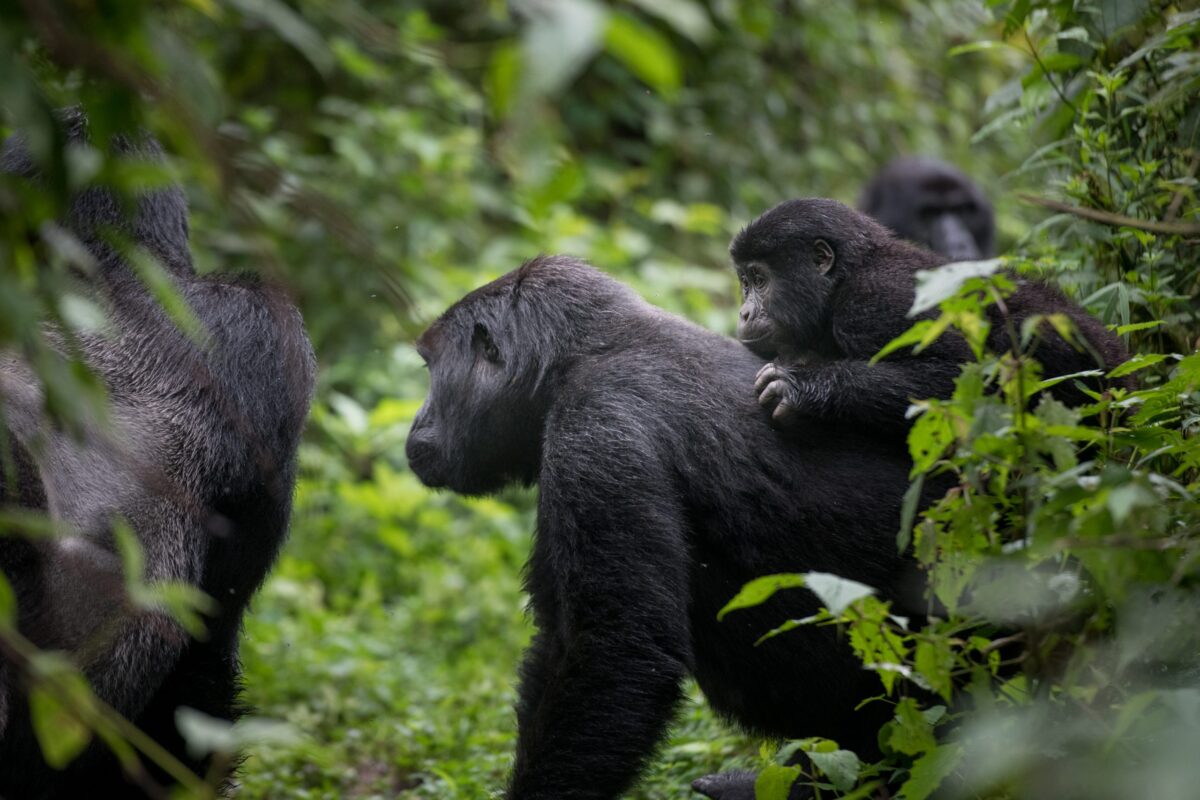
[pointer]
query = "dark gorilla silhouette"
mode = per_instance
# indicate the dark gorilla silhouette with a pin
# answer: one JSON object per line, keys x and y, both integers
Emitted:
{"x": 198, "y": 458}
{"x": 662, "y": 492}
{"x": 931, "y": 203}
{"x": 825, "y": 288}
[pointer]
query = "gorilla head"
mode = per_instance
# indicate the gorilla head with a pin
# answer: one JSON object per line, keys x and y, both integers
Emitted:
{"x": 492, "y": 357}
{"x": 933, "y": 204}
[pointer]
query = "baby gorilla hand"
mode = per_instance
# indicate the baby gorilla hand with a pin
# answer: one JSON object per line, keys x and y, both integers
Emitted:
{"x": 778, "y": 388}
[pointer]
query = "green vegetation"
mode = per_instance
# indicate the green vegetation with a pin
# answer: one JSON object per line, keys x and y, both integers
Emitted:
{"x": 381, "y": 159}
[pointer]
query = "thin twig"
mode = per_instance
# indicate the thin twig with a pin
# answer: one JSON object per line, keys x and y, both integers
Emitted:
{"x": 1116, "y": 220}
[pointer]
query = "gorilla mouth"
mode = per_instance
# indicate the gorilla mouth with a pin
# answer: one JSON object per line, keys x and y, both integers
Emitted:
{"x": 759, "y": 345}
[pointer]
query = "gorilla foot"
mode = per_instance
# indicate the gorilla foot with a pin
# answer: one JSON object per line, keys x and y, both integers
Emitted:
{"x": 734, "y": 785}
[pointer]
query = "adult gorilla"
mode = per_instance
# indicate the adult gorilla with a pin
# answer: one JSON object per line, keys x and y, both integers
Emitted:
{"x": 663, "y": 491}
{"x": 929, "y": 202}
{"x": 198, "y": 459}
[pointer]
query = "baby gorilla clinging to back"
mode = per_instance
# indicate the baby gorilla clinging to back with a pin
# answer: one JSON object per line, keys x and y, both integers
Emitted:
{"x": 825, "y": 288}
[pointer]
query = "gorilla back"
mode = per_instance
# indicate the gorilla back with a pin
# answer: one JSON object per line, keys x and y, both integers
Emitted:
{"x": 663, "y": 490}
{"x": 198, "y": 458}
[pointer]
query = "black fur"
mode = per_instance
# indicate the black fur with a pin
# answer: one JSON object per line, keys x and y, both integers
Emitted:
{"x": 931, "y": 203}
{"x": 199, "y": 459}
{"x": 826, "y": 287}
{"x": 662, "y": 492}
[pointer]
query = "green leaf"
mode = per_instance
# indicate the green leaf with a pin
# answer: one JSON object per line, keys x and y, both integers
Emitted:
{"x": 840, "y": 766}
{"x": 774, "y": 782}
{"x": 647, "y": 54}
{"x": 1121, "y": 330}
{"x": 929, "y": 771}
{"x": 759, "y": 590}
{"x": 8, "y": 605}
{"x": 912, "y": 337}
{"x": 936, "y": 285}
{"x": 835, "y": 592}
{"x": 934, "y": 660}
{"x": 1138, "y": 362}
{"x": 911, "y": 733}
{"x": 908, "y": 512}
{"x": 60, "y": 732}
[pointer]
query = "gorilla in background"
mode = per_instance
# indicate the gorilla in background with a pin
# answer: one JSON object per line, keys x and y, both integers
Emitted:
{"x": 663, "y": 491}
{"x": 933, "y": 204}
{"x": 198, "y": 459}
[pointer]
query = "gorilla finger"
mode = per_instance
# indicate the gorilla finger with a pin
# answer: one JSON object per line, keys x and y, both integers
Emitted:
{"x": 783, "y": 412}
{"x": 766, "y": 375}
{"x": 771, "y": 395}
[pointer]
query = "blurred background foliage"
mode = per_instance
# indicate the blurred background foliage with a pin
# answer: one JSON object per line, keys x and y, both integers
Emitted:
{"x": 382, "y": 158}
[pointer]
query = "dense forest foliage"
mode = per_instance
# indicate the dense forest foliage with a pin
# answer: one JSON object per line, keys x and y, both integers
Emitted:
{"x": 380, "y": 159}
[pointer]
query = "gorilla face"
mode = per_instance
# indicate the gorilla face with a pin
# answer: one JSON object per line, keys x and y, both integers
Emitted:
{"x": 478, "y": 428}
{"x": 931, "y": 203}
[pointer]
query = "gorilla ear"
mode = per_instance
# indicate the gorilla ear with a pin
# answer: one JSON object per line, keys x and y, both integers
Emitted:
{"x": 481, "y": 341}
{"x": 823, "y": 256}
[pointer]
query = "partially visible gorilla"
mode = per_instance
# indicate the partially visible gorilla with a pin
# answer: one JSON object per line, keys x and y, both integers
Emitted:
{"x": 662, "y": 492}
{"x": 198, "y": 459}
{"x": 931, "y": 203}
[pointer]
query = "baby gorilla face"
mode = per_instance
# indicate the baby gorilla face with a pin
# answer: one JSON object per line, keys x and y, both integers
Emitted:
{"x": 756, "y": 329}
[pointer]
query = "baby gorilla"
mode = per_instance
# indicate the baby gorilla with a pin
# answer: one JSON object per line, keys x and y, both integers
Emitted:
{"x": 826, "y": 287}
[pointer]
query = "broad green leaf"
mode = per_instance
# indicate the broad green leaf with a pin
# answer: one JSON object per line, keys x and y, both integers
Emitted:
{"x": 929, "y": 771}
{"x": 760, "y": 590}
{"x": 910, "y": 732}
{"x": 936, "y": 285}
{"x": 840, "y": 766}
{"x": 774, "y": 782}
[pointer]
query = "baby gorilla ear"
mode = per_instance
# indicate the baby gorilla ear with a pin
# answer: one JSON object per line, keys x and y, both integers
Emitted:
{"x": 481, "y": 341}
{"x": 823, "y": 256}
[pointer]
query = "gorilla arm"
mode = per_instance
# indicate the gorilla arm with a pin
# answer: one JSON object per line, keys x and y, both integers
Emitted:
{"x": 608, "y": 581}
{"x": 851, "y": 389}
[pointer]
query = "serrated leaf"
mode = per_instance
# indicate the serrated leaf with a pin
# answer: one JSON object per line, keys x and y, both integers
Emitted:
{"x": 840, "y": 766}
{"x": 929, "y": 771}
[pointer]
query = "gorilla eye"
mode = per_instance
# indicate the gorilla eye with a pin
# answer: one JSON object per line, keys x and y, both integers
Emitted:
{"x": 482, "y": 341}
